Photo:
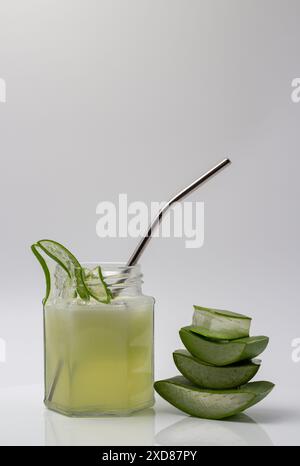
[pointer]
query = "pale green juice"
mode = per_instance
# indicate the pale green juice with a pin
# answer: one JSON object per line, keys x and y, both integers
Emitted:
{"x": 99, "y": 357}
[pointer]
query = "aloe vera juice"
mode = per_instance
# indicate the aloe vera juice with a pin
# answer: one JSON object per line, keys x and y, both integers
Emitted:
{"x": 99, "y": 357}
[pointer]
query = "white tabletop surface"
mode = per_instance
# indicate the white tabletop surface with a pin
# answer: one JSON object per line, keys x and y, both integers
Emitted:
{"x": 25, "y": 421}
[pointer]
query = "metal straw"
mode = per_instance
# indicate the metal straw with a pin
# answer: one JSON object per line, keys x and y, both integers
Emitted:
{"x": 145, "y": 239}
{"x": 179, "y": 196}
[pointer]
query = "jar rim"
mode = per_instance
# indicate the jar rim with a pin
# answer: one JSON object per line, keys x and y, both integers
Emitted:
{"x": 109, "y": 265}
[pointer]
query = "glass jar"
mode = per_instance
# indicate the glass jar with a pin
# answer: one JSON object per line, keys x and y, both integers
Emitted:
{"x": 99, "y": 357}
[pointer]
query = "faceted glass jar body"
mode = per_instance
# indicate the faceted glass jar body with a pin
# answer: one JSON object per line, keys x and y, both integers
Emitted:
{"x": 99, "y": 357}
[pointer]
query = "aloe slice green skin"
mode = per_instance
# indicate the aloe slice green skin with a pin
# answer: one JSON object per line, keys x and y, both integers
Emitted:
{"x": 109, "y": 294}
{"x": 215, "y": 323}
{"x": 214, "y": 377}
{"x": 211, "y": 404}
{"x": 222, "y": 352}
{"x": 68, "y": 262}
{"x": 43, "y": 263}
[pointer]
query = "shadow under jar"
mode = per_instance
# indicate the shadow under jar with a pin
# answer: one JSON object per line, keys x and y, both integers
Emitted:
{"x": 99, "y": 357}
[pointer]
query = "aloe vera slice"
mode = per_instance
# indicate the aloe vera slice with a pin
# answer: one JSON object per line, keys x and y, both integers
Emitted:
{"x": 215, "y": 323}
{"x": 211, "y": 404}
{"x": 222, "y": 352}
{"x": 43, "y": 263}
{"x": 96, "y": 286}
{"x": 68, "y": 262}
{"x": 214, "y": 377}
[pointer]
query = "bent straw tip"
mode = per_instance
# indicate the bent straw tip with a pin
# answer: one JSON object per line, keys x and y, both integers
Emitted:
{"x": 227, "y": 160}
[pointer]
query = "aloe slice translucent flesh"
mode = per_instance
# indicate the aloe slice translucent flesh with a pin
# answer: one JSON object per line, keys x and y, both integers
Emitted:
{"x": 214, "y": 377}
{"x": 222, "y": 352}
{"x": 215, "y": 323}
{"x": 67, "y": 261}
{"x": 96, "y": 286}
{"x": 211, "y": 404}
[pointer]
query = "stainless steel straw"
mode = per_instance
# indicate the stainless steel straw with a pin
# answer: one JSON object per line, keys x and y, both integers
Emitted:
{"x": 145, "y": 239}
{"x": 178, "y": 197}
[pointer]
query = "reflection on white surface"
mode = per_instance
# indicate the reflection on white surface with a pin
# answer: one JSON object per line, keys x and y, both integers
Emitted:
{"x": 240, "y": 430}
{"x": 137, "y": 429}
{"x": 25, "y": 421}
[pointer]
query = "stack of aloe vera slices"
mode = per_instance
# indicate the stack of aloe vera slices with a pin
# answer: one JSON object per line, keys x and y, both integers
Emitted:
{"x": 216, "y": 366}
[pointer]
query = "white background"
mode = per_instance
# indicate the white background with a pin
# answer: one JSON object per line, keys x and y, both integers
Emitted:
{"x": 141, "y": 97}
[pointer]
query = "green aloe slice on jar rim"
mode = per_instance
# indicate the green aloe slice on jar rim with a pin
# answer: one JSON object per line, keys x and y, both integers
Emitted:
{"x": 211, "y": 404}
{"x": 44, "y": 266}
{"x": 96, "y": 286}
{"x": 222, "y": 352}
{"x": 215, "y": 323}
{"x": 68, "y": 262}
{"x": 215, "y": 377}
